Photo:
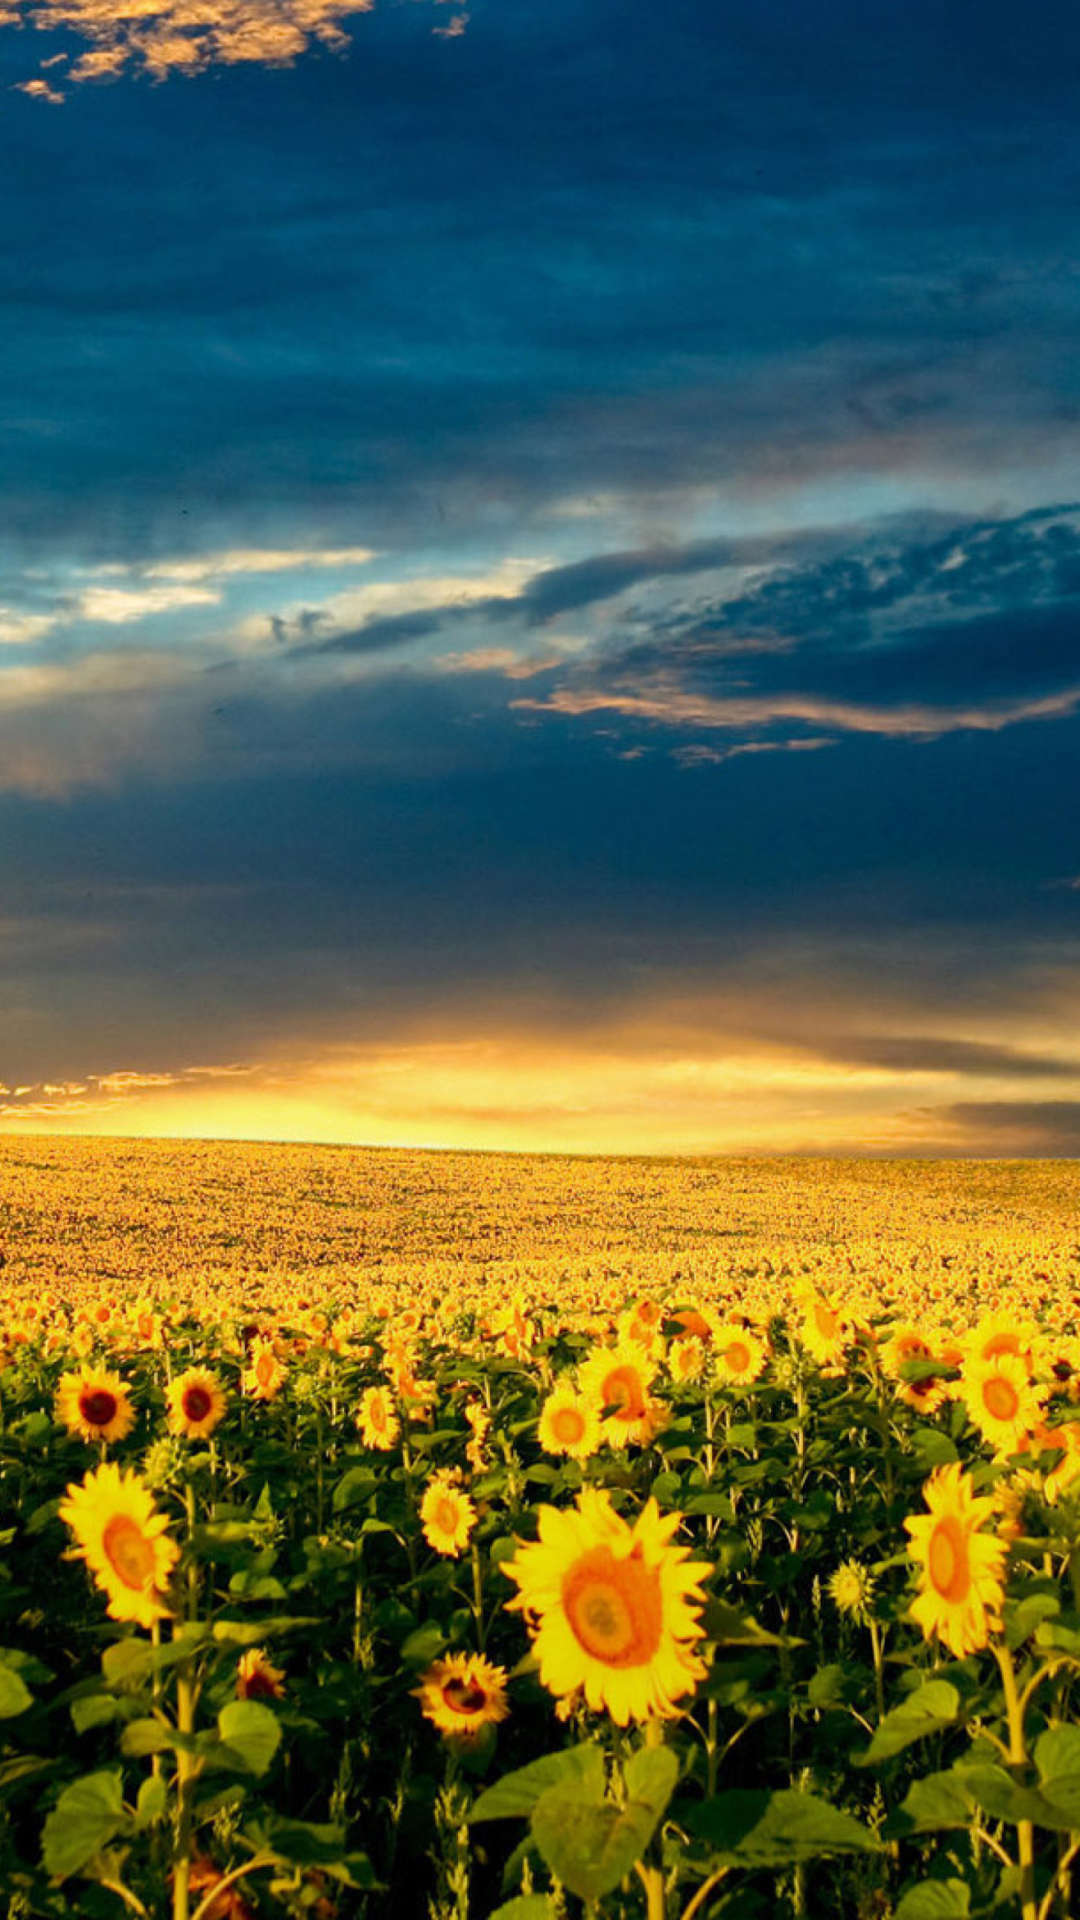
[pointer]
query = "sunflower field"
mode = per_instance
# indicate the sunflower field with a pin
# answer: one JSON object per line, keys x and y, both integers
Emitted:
{"x": 702, "y": 1540}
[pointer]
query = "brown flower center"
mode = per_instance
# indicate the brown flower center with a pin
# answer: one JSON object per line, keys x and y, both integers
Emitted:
{"x": 623, "y": 1394}
{"x": 948, "y": 1560}
{"x": 567, "y": 1425}
{"x": 1000, "y": 1398}
{"x": 129, "y": 1552}
{"x": 197, "y": 1403}
{"x": 98, "y": 1407}
{"x": 464, "y": 1696}
{"x": 614, "y": 1607}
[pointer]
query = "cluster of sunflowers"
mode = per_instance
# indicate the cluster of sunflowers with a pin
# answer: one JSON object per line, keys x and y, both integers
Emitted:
{"x": 755, "y": 1585}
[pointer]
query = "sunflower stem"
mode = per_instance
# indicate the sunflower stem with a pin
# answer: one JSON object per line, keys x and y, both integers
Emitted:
{"x": 478, "y": 1598}
{"x": 185, "y": 1781}
{"x": 879, "y": 1667}
{"x": 1018, "y": 1754}
{"x": 653, "y": 1882}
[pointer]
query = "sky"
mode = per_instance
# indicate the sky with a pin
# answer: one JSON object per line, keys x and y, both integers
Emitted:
{"x": 540, "y": 574}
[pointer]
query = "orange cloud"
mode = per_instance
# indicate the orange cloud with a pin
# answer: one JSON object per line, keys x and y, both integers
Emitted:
{"x": 163, "y": 37}
{"x": 672, "y": 705}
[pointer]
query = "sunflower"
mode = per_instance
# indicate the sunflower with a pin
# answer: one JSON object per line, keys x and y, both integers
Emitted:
{"x": 611, "y": 1607}
{"x": 462, "y": 1694}
{"x": 903, "y": 1343}
{"x": 824, "y": 1330}
{"x": 447, "y": 1515}
{"x": 1001, "y": 1400}
{"x": 960, "y": 1580}
{"x": 1000, "y": 1333}
{"x": 617, "y": 1380}
{"x": 196, "y": 1402}
{"x": 264, "y": 1378}
{"x": 124, "y": 1542}
{"x": 256, "y": 1678}
{"x": 686, "y": 1357}
{"x": 570, "y": 1424}
{"x": 479, "y": 1420}
{"x": 377, "y": 1419}
{"x": 739, "y": 1355}
{"x": 94, "y": 1404}
{"x": 1065, "y": 1442}
{"x": 851, "y": 1589}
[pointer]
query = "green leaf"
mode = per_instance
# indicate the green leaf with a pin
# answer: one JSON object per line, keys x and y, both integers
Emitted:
{"x": 933, "y": 1447}
{"x": 128, "y": 1664}
{"x": 591, "y": 1844}
{"x": 15, "y": 1695}
{"x": 141, "y": 1737}
{"x": 527, "y": 1906}
{"x": 254, "y": 1633}
{"x": 826, "y": 1689}
{"x": 933, "y": 1804}
{"x": 251, "y": 1735}
{"x": 94, "y": 1710}
{"x": 26, "y": 1664}
{"x": 1059, "y": 1802}
{"x": 935, "y": 1705}
{"x": 936, "y": 1900}
{"x": 1023, "y": 1617}
{"x": 731, "y": 1628}
{"x": 86, "y": 1817}
{"x": 423, "y": 1646}
{"x": 153, "y": 1801}
{"x": 515, "y": 1796}
{"x": 356, "y": 1485}
{"x": 753, "y": 1828}
{"x": 1058, "y": 1751}
{"x": 650, "y": 1775}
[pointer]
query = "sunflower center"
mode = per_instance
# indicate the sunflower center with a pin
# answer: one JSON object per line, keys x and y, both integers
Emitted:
{"x": 376, "y": 1413}
{"x": 826, "y": 1320}
{"x": 614, "y": 1607}
{"x": 446, "y": 1515}
{"x": 1000, "y": 1398}
{"x": 129, "y": 1552}
{"x": 464, "y": 1696}
{"x": 568, "y": 1425}
{"x": 98, "y": 1407}
{"x": 948, "y": 1561}
{"x": 623, "y": 1395}
{"x": 737, "y": 1357}
{"x": 197, "y": 1403}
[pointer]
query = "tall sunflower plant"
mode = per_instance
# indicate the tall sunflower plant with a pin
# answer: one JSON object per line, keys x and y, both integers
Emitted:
{"x": 194, "y": 1700}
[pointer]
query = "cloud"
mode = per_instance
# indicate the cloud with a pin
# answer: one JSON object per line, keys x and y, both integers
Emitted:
{"x": 242, "y": 560}
{"x": 120, "y": 606}
{"x": 1013, "y": 1129}
{"x": 181, "y": 37}
{"x": 940, "y": 1054}
{"x": 671, "y": 705}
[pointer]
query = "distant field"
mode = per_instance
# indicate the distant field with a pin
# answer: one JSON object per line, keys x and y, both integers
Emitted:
{"x": 177, "y": 1215}
{"x": 421, "y": 1536}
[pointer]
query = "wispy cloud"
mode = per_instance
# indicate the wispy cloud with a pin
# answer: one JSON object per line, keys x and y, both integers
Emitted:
{"x": 167, "y": 37}
{"x": 673, "y": 706}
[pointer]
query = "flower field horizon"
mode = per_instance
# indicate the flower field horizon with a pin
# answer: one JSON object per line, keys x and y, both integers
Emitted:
{"x": 393, "y": 1533}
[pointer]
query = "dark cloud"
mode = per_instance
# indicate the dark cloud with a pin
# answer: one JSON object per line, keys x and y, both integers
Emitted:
{"x": 936, "y": 1053}
{"x": 1013, "y": 1129}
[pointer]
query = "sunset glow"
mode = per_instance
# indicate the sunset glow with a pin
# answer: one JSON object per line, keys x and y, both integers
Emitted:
{"x": 540, "y": 576}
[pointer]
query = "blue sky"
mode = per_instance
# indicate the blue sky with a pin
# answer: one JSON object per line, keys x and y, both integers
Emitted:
{"x": 540, "y": 575}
